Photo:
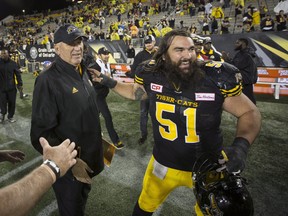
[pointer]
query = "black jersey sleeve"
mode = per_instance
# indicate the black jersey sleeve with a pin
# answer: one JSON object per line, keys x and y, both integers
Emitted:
{"x": 226, "y": 76}
{"x": 141, "y": 70}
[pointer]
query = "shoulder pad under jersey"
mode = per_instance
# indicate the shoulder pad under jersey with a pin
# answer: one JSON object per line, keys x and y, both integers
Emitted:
{"x": 226, "y": 76}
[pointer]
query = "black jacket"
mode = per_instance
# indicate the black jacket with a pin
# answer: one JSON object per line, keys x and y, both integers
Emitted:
{"x": 10, "y": 75}
{"x": 130, "y": 52}
{"x": 243, "y": 60}
{"x": 64, "y": 106}
{"x": 142, "y": 56}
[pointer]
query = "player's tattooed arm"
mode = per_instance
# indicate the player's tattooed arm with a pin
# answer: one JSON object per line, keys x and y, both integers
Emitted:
{"x": 139, "y": 94}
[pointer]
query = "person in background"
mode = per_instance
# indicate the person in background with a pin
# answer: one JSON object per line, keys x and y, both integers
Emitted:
{"x": 130, "y": 52}
{"x": 243, "y": 60}
{"x": 209, "y": 52}
{"x": 102, "y": 92}
{"x": 10, "y": 80}
{"x": 20, "y": 197}
{"x": 267, "y": 23}
{"x": 186, "y": 104}
{"x": 12, "y": 156}
{"x": 144, "y": 55}
{"x": 281, "y": 21}
{"x": 225, "y": 24}
{"x": 64, "y": 107}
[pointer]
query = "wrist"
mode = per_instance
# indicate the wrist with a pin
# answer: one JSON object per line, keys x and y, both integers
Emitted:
{"x": 241, "y": 143}
{"x": 53, "y": 169}
{"x": 107, "y": 81}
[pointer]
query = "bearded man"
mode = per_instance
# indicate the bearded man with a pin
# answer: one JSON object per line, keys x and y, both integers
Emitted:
{"x": 186, "y": 104}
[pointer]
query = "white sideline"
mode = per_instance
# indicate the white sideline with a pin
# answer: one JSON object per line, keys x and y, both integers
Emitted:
{"x": 48, "y": 209}
{"x": 19, "y": 169}
{"x": 5, "y": 145}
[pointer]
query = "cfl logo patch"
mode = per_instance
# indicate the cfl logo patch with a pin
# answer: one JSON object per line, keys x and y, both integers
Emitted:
{"x": 156, "y": 87}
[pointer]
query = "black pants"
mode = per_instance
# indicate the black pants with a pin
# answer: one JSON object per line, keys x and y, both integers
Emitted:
{"x": 139, "y": 212}
{"x": 104, "y": 110}
{"x": 8, "y": 99}
{"x": 71, "y": 195}
{"x": 248, "y": 91}
{"x": 144, "y": 109}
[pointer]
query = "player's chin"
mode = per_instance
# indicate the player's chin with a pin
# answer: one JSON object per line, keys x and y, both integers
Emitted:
{"x": 185, "y": 69}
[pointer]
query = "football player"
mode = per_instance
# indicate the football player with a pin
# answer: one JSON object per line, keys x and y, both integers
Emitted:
{"x": 186, "y": 104}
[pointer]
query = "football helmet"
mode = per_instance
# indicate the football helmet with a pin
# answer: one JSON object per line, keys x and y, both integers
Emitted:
{"x": 218, "y": 192}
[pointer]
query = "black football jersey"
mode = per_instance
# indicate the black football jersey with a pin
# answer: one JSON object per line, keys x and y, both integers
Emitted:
{"x": 186, "y": 122}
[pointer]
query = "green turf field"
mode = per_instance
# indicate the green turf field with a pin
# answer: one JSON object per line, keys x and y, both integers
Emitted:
{"x": 115, "y": 190}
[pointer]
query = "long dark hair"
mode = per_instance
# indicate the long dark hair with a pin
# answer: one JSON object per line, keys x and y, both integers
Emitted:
{"x": 160, "y": 65}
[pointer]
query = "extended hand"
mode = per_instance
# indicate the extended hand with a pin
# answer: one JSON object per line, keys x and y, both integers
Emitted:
{"x": 13, "y": 156}
{"x": 63, "y": 155}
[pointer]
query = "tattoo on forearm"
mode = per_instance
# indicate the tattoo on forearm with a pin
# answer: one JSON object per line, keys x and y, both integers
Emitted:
{"x": 139, "y": 93}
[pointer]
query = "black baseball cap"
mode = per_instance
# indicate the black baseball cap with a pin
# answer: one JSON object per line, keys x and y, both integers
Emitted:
{"x": 149, "y": 39}
{"x": 67, "y": 34}
{"x": 103, "y": 51}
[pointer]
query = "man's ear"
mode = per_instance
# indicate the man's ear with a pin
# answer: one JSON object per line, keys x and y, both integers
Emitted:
{"x": 56, "y": 47}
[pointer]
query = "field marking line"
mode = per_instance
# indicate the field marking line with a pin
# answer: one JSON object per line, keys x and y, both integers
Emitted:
{"x": 49, "y": 209}
{"x": 5, "y": 145}
{"x": 19, "y": 169}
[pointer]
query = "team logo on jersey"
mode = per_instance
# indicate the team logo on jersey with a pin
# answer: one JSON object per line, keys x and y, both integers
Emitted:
{"x": 74, "y": 90}
{"x": 156, "y": 87}
{"x": 205, "y": 96}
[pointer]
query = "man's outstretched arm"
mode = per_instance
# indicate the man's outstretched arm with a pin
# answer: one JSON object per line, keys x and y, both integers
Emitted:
{"x": 20, "y": 197}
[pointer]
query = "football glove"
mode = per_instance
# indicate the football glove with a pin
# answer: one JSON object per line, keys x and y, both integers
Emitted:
{"x": 80, "y": 170}
{"x": 236, "y": 155}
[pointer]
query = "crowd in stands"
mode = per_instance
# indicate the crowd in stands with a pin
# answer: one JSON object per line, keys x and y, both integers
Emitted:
{"x": 133, "y": 20}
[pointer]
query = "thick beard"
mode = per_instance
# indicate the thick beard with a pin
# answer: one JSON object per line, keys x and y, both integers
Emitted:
{"x": 237, "y": 48}
{"x": 176, "y": 75}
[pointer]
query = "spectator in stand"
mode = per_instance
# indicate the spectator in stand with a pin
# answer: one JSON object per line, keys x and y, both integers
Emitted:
{"x": 115, "y": 36}
{"x": 248, "y": 20}
{"x": 281, "y": 20}
{"x": 217, "y": 12}
{"x": 201, "y": 10}
{"x": 130, "y": 52}
{"x": 214, "y": 25}
{"x": 267, "y": 24}
{"x": 204, "y": 22}
{"x": 165, "y": 30}
{"x": 134, "y": 31}
{"x": 193, "y": 29}
{"x": 263, "y": 10}
{"x": 225, "y": 24}
{"x": 238, "y": 9}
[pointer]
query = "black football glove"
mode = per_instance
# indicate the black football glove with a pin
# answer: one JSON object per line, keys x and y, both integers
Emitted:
{"x": 236, "y": 155}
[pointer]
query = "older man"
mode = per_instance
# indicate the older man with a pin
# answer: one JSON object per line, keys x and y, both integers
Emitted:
{"x": 64, "y": 106}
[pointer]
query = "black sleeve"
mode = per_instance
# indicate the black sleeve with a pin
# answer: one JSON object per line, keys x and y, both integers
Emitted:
{"x": 17, "y": 73}
{"x": 137, "y": 61}
{"x": 44, "y": 114}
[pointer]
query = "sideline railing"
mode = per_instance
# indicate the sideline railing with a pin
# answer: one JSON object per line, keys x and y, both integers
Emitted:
{"x": 272, "y": 81}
